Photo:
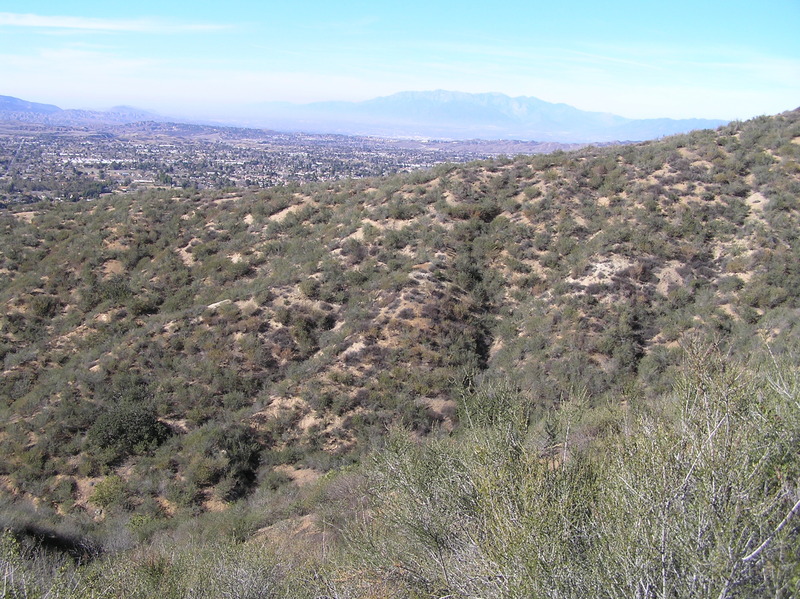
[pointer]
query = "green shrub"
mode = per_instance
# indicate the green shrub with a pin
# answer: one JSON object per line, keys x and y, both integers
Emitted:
{"x": 128, "y": 427}
{"x": 44, "y": 306}
{"x": 112, "y": 491}
{"x": 694, "y": 501}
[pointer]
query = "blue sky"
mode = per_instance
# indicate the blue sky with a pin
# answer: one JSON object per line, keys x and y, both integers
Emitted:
{"x": 733, "y": 59}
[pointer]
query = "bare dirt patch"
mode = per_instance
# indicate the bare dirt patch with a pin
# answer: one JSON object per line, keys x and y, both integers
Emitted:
{"x": 212, "y": 503}
{"x": 668, "y": 278}
{"x": 227, "y": 199}
{"x": 757, "y": 201}
{"x": 115, "y": 245}
{"x": 112, "y": 267}
{"x": 354, "y": 349}
{"x": 185, "y": 256}
{"x": 84, "y": 487}
{"x": 218, "y": 304}
{"x": 443, "y": 408}
{"x": 603, "y": 271}
{"x": 279, "y": 405}
{"x": 300, "y": 535}
{"x": 281, "y": 215}
{"x": 25, "y": 216}
{"x": 177, "y": 425}
{"x": 247, "y": 306}
{"x": 300, "y": 476}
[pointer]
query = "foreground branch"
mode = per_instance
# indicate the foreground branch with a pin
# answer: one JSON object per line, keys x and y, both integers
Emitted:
{"x": 763, "y": 545}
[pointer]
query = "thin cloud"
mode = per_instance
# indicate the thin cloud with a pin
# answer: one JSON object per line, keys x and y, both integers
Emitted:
{"x": 8, "y": 19}
{"x": 351, "y": 27}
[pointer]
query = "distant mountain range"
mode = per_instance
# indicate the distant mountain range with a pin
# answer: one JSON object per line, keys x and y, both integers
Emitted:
{"x": 457, "y": 115}
{"x": 433, "y": 115}
{"x": 32, "y": 112}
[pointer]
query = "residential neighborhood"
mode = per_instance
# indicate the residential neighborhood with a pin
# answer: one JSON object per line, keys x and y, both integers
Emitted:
{"x": 39, "y": 161}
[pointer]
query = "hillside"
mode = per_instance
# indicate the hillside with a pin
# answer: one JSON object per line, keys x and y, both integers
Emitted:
{"x": 177, "y": 353}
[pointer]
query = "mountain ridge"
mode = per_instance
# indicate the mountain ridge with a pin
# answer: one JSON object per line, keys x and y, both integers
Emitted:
{"x": 10, "y": 104}
{"x": 438, "y": 114}
{"x": 460, "y": 115}
{"x": 16, "y": 109}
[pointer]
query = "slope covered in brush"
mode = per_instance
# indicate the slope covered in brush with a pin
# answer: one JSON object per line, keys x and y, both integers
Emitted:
{"x": 167, "y": 354}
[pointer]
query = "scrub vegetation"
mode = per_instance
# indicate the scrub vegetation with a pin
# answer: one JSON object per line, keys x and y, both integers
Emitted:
{"x": 562, "y": 375}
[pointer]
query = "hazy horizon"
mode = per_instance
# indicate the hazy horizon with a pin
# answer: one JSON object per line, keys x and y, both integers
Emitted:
{"x": 684, "y": 60}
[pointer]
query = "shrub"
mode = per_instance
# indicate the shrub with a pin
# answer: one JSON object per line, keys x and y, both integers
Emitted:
{"x": 695, "y": 501}
{"x": 44, "y": 306}
{"x": 110, "y": 492}
{"x": 128, "y": 427}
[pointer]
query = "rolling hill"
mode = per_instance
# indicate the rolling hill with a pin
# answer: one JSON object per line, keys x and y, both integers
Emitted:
{"x": 181, "y": 355}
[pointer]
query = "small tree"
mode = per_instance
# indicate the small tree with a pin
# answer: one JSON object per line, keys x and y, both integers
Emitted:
{"x": 127, "y": 428}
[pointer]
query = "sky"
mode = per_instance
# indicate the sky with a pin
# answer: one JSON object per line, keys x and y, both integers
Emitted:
{"x": 639, "y": 59}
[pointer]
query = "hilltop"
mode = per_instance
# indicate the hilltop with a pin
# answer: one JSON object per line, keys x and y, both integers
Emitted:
{"x": 177, "y": 353}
